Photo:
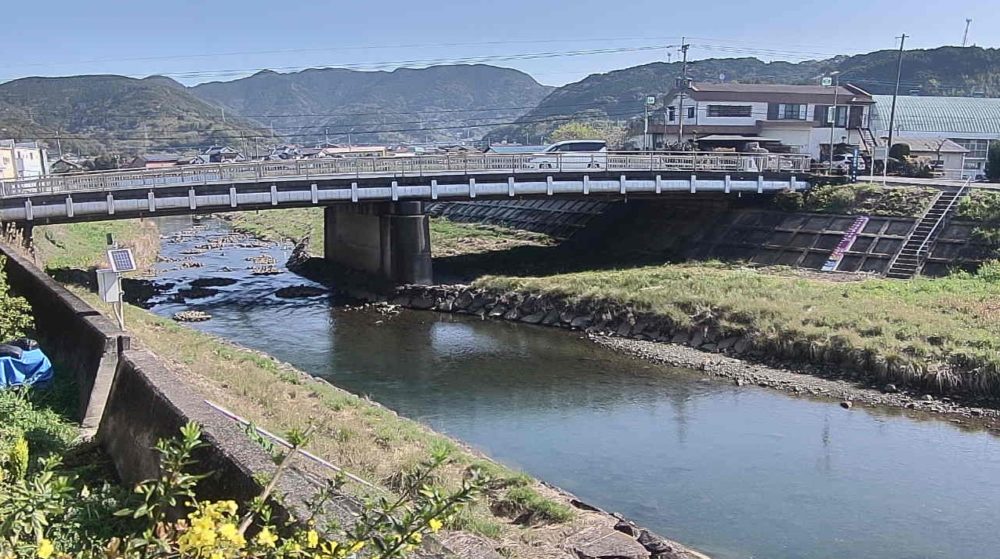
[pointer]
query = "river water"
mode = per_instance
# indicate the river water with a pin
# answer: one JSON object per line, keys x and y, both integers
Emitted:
{"x": 738, "y": 472}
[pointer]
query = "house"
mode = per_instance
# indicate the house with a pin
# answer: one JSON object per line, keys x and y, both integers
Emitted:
{"x": 791, "y": 118}
{"x": 311, "y": 153}
{"x": 65, "y": 165}
{"x": 283, "y": 152}
{"x": 222, "y": 154}
{"x": 155, "y": 161}
{"x": 943, "y": 154}
{"x": 22, "y": 160}
{"x": 971, "y": 122}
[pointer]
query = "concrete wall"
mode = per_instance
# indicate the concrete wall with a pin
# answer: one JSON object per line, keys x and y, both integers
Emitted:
{"x": 81, "y": 341}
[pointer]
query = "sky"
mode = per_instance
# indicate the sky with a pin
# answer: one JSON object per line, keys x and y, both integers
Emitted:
{"x": 556, "y": 41}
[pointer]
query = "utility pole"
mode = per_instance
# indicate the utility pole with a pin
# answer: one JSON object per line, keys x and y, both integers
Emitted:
{"x": 684, "y": 86}
{"x": 645, "y": 126}
{"x": 895, "y": 94}
{"x": 965, "y": 37}
{"x": 833, "y": 114}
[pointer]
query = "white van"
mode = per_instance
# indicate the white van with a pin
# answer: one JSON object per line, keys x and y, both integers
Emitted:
{"x": 572, "y": 155}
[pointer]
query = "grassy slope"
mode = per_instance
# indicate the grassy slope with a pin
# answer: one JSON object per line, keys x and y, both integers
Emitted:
{"x": 447, "y": 237}
{"x": 923, "y": 323}
{"x": 83, "y": 245}
{"x": 354, "y": 433}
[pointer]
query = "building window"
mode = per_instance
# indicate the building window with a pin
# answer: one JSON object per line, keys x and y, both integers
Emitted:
{"x": 671, "y": 113}
{"x": 690, "y": 111}
{"x": 824, "y": 112}
{"x": 740, "y": 111}
{"x": 791, "y": 111}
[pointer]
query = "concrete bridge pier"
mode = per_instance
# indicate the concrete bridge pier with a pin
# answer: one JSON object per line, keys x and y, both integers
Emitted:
{"x": 389, "y": 239}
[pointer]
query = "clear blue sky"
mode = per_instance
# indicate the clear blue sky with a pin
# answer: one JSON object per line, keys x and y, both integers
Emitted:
{"x": 199, "y": 40}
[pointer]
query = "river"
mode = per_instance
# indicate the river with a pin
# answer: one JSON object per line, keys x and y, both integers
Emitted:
{"x": 738, "y": 472}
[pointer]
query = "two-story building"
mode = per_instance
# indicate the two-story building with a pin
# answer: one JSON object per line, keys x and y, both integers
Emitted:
{"x": 790, "y": 118}
{"x": 22, "y": 160}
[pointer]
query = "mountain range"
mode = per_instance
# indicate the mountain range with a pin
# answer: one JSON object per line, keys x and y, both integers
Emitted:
{"x": 91, "y": 114}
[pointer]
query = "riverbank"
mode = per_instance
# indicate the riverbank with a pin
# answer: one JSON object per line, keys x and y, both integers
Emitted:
{"x": 520, "y": 517}
{"x": 916, "y": 343}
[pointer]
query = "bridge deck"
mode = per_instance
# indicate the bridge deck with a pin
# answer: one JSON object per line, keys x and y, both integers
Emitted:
{"x": 247, "y": 186}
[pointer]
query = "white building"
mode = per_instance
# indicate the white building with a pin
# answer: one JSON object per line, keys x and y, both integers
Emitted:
{"x": 791, "y": 118}
{"x": 22, "y": 160}
{"x": 971, "y": 122}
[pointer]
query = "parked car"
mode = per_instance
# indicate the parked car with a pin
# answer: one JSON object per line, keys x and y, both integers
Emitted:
{"x": 572, "y": 155}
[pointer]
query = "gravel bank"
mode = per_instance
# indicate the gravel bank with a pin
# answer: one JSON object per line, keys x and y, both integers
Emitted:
{"x": 811, "y": 382}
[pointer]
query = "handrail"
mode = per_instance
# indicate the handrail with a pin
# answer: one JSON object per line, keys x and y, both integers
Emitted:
{"x": 940, "y": 220}
{"x": 193, "y": 175}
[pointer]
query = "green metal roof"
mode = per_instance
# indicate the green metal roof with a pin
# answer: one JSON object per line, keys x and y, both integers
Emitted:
{"x": 952, "y": 116}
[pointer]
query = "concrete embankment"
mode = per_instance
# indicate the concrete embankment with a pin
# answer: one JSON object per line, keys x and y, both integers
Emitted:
{"x": 800, "y": 367}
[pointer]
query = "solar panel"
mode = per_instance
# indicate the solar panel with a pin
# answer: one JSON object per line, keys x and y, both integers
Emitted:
{"x": 121, "y": 260}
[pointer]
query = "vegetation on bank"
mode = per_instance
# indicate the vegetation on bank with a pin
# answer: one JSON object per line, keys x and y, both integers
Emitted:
{"x": 943, "y": 332}
{"x": 15, "y": 313}
{"x": 983, "y": 206}
{"x": 448, "y": 238}
{"x": 48, "y": 510}
{"x": 352, "y": 432}
{"x": 858, "y": 199}
{"x": 83, "y": 245}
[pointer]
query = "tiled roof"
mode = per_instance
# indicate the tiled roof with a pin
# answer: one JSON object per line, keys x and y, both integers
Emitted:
{"x": 950, "y": 116}
{"x": 929, "y": 144}
{"x": 770, "y": 88}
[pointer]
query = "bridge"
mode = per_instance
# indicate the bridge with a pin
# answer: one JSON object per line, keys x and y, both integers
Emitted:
{"x": 374, "y": 214}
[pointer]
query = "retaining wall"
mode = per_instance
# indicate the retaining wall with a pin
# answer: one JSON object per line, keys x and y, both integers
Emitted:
{"x": 78, "y": 338}
{"x": 130, "y": 400}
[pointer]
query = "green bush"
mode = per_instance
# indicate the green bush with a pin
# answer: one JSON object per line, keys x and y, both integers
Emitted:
{"x": 15, "y": 313}
{"x": 989, "y": 271}
{"x": 789, "y": 200}
{"x": 983, "y": 207}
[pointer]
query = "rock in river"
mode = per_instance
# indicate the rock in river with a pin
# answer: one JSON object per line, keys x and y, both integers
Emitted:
{"x": 296, "y": 291}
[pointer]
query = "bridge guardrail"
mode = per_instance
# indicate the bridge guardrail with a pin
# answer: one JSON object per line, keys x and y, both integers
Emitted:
{"x": 399, "y": 167}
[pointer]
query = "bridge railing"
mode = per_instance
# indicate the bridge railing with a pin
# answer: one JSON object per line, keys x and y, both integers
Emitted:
{"x": 426, "y": 165}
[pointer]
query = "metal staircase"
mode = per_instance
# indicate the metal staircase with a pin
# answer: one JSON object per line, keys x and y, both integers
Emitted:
{"x": 918, "y": 245}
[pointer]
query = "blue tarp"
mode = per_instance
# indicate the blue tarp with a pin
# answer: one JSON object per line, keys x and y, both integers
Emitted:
{"x": 32, "y": 368}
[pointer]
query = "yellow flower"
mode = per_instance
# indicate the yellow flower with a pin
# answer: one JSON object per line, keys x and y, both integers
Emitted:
{"x": 435, "y": 524}
{"x": 416, "y": 537}
{"x": 45, "y": 548}
{"x": 230, "y": 506}
{"x": 312, "y": 539}
{"x": 216, "y": 555}
{"x": 266, "y": 538}
{"x": 357, "y": 547}
{"x": 230, "y": 532}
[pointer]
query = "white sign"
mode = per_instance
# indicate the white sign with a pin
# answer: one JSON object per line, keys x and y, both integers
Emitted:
{"x": 827, "y": 82}
{"x": 650, "y": 100}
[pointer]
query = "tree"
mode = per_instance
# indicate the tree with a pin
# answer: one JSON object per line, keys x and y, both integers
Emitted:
{"x": 993, "y": 162}
{"x": 899, "y": 152}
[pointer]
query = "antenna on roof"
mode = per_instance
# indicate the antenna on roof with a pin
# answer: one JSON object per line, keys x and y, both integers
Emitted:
{"x": 965, "y": 37}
